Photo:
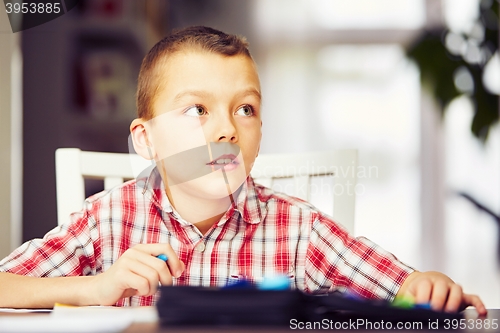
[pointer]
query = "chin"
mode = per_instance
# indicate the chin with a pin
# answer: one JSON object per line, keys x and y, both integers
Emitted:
{"x": 213, "y": 185}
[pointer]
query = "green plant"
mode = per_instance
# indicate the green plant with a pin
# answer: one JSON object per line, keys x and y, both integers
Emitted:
{"x": 446, "y": 58}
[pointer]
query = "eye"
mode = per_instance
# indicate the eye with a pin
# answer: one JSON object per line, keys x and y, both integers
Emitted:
{"x": 195, "y": 111}
{"x": 245, "y": 110}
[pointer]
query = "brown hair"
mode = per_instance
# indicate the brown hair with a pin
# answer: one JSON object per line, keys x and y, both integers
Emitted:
{"x": 198, "y": 37}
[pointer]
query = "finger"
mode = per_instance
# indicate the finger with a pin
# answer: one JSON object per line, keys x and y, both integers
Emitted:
{"x": 440, "y": 291}
{"x": 137, "y": 282}
{"x": 145, "y": 271}
{"x": 476, "y": 302}
{"x": 454, "y": 298}
{"x": 422, "y": 291}
{"x": 163, "y": 271}
{"x": 129, "y": 293}
{"x": 173, "y": 262}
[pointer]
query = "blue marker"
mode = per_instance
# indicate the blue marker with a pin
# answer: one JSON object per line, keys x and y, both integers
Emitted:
{"x": 425, "y": 306}
{"x": 275, "y": 282}
{"x": 162, "y": 257}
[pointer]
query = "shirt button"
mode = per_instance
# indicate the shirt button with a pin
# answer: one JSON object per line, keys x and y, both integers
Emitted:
{"x": 200, "y": 247}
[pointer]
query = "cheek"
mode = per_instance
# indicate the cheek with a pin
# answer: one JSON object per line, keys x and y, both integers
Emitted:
{"x": 252, "y": 140}
{"x": 177, "y": 136}
{"x": 250, "y": 149}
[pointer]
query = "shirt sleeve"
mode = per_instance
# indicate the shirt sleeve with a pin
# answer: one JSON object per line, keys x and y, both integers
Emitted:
{"x": 67, "y": 250}
{"x": 337, "y": 261}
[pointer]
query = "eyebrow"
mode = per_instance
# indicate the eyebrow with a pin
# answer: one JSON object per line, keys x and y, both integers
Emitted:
{"x": 196, "y": 93}
{"x": 204, "y": 94}
{"x": 251, "y": 91}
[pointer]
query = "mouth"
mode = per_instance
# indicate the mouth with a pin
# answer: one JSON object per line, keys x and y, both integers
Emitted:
{"x": 223, "y": 160}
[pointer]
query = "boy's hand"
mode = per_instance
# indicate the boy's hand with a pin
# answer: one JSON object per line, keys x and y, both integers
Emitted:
{"x": 440, "y": 291}
{"x": 136, "y": 273}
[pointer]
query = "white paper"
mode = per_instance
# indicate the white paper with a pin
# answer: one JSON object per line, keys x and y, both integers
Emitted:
{"x": 138, "y": 314}
{"x": 11, "y": 310}
{"x": 54, "y": 324}
{"x": 78, "y": 319}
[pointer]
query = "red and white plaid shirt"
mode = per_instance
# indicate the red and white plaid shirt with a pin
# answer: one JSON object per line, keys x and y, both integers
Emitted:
{"x": 267, "y": 233}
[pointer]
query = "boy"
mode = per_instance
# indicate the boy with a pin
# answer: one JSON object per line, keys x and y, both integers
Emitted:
{"x": 199, "y": 118}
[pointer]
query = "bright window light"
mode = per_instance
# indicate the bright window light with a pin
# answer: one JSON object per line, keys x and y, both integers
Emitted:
{"x": 368, "y": 14}
{"x": 309, "y": 15}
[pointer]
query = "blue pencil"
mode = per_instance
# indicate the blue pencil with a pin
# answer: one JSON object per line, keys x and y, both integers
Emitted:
{"x": 162, "y": 257}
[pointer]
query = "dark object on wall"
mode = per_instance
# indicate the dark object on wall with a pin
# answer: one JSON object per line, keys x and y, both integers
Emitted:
{"x": 483, "y": 209}
{"x": 79, "y": 78}
{"x": 452, "y": 64}
{"x": 106, "y": 68}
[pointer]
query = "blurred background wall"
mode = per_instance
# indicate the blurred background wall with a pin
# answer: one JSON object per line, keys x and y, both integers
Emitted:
{"x": 335, "y": 74}
{"x": 10, "y": 138}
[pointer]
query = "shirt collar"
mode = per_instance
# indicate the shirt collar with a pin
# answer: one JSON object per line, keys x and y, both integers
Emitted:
{"x": 153, "y": 188}
{"x": 248, "y": 203}
{"x": 250, "y": 206}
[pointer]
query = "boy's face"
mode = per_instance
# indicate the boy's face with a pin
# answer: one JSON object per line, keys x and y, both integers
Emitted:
{"x": 207, "y": 127}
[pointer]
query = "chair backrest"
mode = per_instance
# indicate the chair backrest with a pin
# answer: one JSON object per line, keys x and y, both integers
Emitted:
{"x": 339, "y": 164}
{"x": 74, "y": 165}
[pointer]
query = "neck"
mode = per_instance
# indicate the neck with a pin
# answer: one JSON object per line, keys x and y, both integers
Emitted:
{"x": 202, "y": 212}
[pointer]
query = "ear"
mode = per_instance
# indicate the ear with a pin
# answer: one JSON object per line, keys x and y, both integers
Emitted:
{"x": 140, "y": 139}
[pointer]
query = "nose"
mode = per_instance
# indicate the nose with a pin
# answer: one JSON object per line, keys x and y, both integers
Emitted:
{"x": 225, "y": 129}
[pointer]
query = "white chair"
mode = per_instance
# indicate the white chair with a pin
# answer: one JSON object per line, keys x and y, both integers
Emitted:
{"x": 339, "y": 164}
{"x": 74, "y": 165}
